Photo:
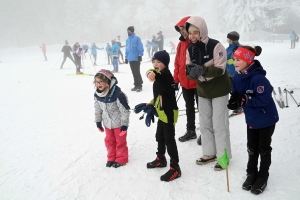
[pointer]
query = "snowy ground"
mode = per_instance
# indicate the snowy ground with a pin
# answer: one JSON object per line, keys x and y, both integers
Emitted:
{"x": 51, "y": 149}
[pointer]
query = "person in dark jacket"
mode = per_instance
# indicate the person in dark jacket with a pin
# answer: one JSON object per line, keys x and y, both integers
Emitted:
{"x": 133, "y": 54}
{"x": 160, "y": 41}
{"x": 154, "y": 45}
{"x": 252, "y": 90}
{"x": 120, "y": 51}
{"x": 165, "y": 103}
{"x": 108, "y": 50}
{"x": 67, "y": 53}
{"x": 78, "y": 51}
{"x": 188, "y": 86}
{"x": 233, "y": 41}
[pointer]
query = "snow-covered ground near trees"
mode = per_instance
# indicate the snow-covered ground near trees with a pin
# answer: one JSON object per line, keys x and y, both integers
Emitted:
{"x": 51, "y": 149}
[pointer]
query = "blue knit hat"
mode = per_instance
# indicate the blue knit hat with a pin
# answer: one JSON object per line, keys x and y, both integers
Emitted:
{"x": 163, "y": 57}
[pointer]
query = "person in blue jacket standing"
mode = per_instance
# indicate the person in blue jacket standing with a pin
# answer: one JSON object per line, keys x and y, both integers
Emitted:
{"x": 115, "y": 55}
{"x": 133, "y": 54}
{"x": 252, "y": 90}
{"x": 94, "y": 49}
{"x": 233, "y": 41}
{"x": 294, "y": 38}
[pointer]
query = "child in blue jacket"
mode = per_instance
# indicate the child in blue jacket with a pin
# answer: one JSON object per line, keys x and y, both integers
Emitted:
{"x": 252, "y": 90}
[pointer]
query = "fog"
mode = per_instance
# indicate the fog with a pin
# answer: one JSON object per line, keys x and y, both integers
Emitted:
{"x": 32, "y": 22}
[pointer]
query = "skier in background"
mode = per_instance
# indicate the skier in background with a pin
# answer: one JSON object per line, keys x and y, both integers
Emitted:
{"x": 115, "y": 55}
{"x": 148, "y": 47}
{"x": 173, "y": 46}
{"x": 44, "y": 50}
{"x": 108, "y": 50}
{"x": 294, "y": 38}
{"x": 67, "y": 53}
{"x": 77, "y": 53}
{"x": 94, "y": 49}
{"x": 160, "y": 41}
{"x": 120, "y": 52}
{"x": 154, "y": 45}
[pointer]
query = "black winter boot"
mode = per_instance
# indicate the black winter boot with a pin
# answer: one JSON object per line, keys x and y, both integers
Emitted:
{"x": 160, "y": 161}
{"x": 109, "y": 163}
{"x": 259, "y": 185}
{"x": 116, "y": 164}
{"x": 173, "y": 173}
{"x": 247, "y": 185}
{"x": 189, "y": 134}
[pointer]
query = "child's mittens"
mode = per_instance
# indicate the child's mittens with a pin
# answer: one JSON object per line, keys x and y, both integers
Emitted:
{"x": 230, "y": 61}
{"x": 138, "y": 108}
{"x": 123, "y": 130}
{"x": 151, "y": 112}
{"x": 99, "y": 126}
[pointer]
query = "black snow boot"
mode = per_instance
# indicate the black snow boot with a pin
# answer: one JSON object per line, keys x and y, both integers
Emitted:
{"x": 247, "y": 185}
{"x": 160, "y": 161}
{"x": 173, "y": 173}
{"x": 109, "y": 163}
{"x": 259, "y": 185}
{"x": 189, "y": 134}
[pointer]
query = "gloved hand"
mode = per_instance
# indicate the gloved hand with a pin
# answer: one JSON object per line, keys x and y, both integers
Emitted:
{"x": 100, "y": 127}
{"x": 176, "y": 86}
{"x": 138, "y": 108}
{"x": 126, "y": 61}
{"x": 140, "y": 58}
{"x": 151, "y": 112}
{"x": 230, "y": 61}
{"x": 123, "y": 130}
{"x": 236, "y": 100}
{"x": 194, "y": 70}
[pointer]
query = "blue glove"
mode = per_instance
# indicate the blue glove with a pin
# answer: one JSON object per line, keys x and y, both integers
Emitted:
{"x": 100, "y": 127}
{"x": 123, "y": 130}
{"x": 138, "y": 108}
{"x": 151, "y": 112}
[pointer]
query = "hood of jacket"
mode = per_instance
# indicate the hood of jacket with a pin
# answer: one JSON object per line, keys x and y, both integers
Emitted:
{"x": 201, "y": 25}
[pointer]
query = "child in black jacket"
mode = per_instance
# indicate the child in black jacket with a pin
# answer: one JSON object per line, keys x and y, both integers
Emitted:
{"x": 164, "y": 101}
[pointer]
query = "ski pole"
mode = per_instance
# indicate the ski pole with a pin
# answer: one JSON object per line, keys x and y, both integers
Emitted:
{"x": 287, "y": 104}
{"x": 291, "y": 92}
{"x": 57, "y": 61}
{"x": 179, "y": 96}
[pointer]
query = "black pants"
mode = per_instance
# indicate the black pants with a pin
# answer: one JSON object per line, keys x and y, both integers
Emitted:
{"x": 259, "y": 143}
{"x": 77, "y": 62}
{"x": 65, "y": 57}
{"x": 135, "y": 69}
{"x": 165, "y": 137}
{"x": 189, "y": 96}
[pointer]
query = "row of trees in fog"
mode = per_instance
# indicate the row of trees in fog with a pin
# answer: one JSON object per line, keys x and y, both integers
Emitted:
{"x": 31, "y": 22}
